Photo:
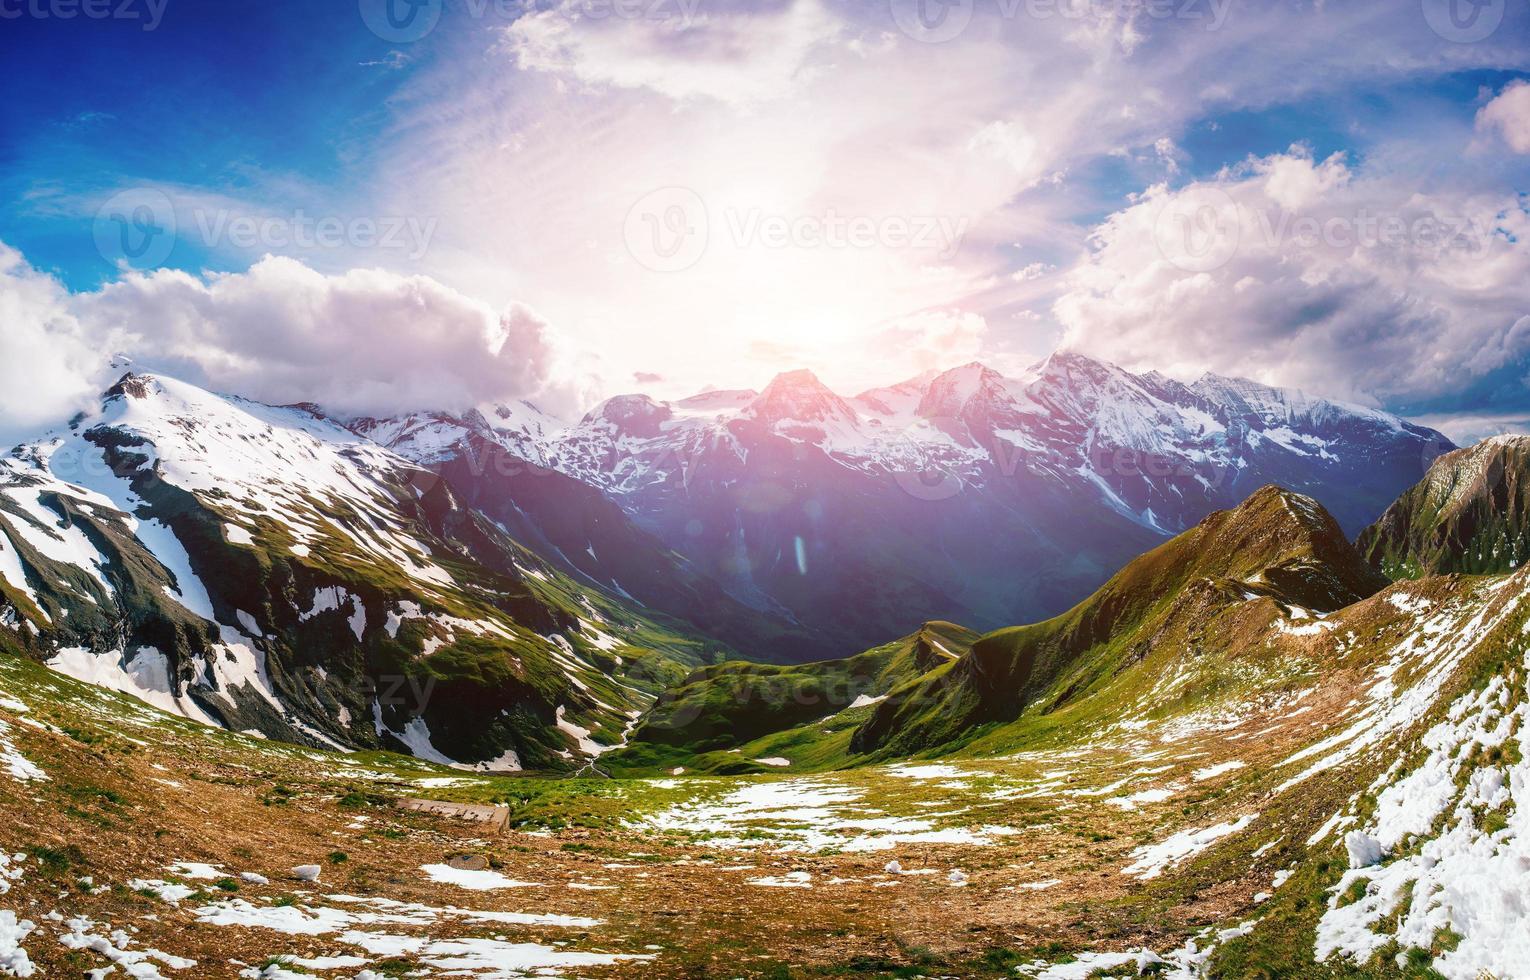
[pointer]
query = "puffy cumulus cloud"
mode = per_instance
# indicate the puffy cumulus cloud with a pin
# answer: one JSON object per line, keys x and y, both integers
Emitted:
{"x": 50, "y": 367}
{"x": 363, "y": 343}
{"x": 367, "y": 342}
{"x": 1508, "y": 116}
{"x": 1303, "y": 271}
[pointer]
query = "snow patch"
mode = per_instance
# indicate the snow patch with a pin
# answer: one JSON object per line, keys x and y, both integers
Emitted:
{"x": 1155, "y": 859}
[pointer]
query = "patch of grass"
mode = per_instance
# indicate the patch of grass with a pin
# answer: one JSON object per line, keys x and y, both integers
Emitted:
{"x": 57, "y": 861}
{"x": 89, "y": 793}
{"x": 279, "y": 795}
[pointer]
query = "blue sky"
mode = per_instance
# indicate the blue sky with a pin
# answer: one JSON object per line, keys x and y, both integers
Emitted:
{"x": 871, "y": 201}
{"x": 229, "y": 97}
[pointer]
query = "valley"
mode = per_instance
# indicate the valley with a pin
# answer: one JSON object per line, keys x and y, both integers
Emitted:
{"x": 1255, "y": 750}
{"x": 765, "y": 490}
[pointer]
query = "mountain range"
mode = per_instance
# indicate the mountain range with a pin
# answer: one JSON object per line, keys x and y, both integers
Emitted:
{"x": 498, "y": 590}
{"x": 963, "y": 496}
{"x": 1264, "y": 746}
{"x": 267, "y": 570}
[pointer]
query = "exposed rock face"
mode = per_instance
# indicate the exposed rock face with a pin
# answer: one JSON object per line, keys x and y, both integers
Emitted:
{"x": 1471, "y": 513}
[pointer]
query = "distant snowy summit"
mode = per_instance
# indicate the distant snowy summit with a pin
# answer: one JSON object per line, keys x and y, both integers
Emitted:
{"x": 964, "y": 495}
{"x": 1156, "y": 450}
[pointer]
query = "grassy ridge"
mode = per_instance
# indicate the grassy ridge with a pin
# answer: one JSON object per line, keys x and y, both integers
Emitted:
{"x": 1276, "y": 545}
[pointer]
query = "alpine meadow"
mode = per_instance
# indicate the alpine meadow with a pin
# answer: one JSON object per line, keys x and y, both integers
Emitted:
{"x": 775, "y": 489}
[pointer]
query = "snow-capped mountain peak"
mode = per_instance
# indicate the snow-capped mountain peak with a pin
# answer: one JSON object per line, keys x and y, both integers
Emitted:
{"x": 799, "y": 406}
{"x": 1076, "y": 463}
{"x": 961, "y": 391}
{"x": 716, "y": 402}
{"x": 899, "y": 401}
{"x": 255, "y": 566}
{"x": 428, "y": 437}
{"x": 631, "y": 415}
{"x": 798, "y": 396}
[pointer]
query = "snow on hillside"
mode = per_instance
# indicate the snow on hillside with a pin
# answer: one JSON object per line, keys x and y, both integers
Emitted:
{"x": 161, "y": 460}
{"x": 426, "y": 438}
{"x": 264, "y": 463}
{"x": 1070, "y": 417}
{"x": 1447, "y": 844}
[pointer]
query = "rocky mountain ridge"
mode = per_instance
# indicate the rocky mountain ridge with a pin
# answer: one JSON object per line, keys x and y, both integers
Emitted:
{"x": 265, "y": 569}
{"x": 845, "y": 516}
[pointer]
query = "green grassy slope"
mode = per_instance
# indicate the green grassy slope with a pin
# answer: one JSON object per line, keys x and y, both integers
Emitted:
{"x": 1235, "y": 710}
{"x": 1277, "y": 545}
{"x": 738, "y": 711}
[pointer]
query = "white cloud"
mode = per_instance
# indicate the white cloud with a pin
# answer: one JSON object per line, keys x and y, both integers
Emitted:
{"x": 1035, "y": 270}
{"x": 1508, "y": 116}
{"x": 365, "y": 342}
{"x": 933, "y": 339}
{"x": 1463, "y": 429}
{"x": 49, "y": 366}
{"x": 1293, "y": 182}
{"x": 799, "y": 108}
{"x": 1306, "y": 272}
{"x": 533, "y": 141}
{"x": 1009, "y": 143}
{"x": 1169, "y": 153}
{"x": 739, "y": 57}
